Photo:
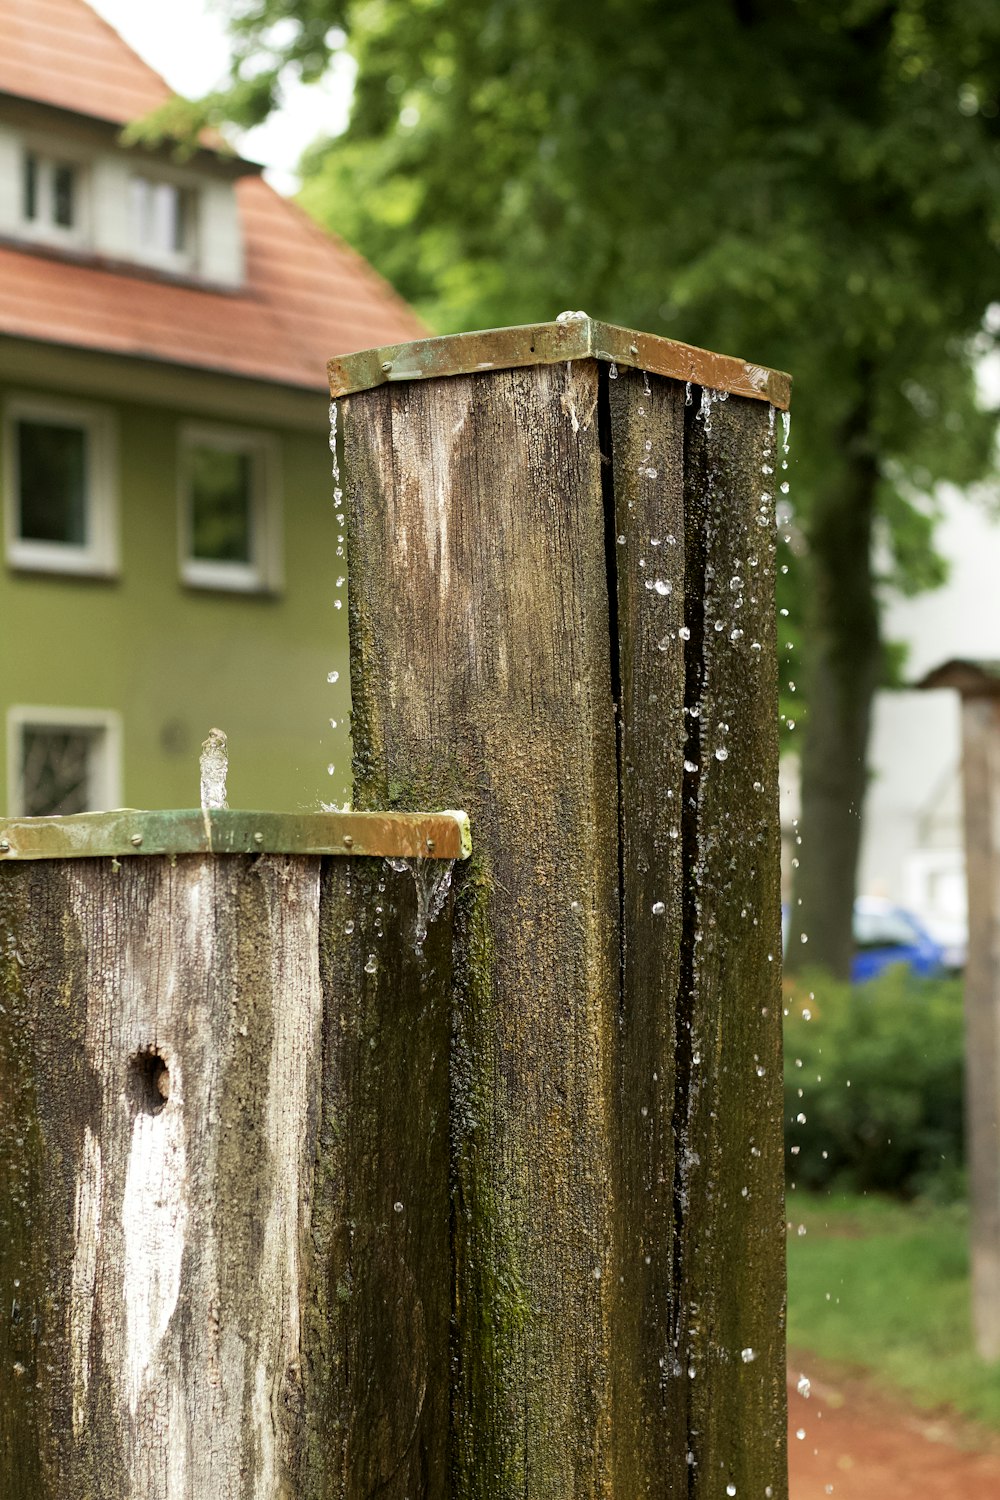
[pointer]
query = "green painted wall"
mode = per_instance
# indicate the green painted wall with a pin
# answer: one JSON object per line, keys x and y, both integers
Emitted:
{"x": 176, "y": 661}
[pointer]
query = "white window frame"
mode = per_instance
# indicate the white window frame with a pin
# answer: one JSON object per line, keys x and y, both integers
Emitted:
{"x": 50, "y": 154}
{"x": 98, "y": 555}
{"x": 180, "y": 262}
{"x": 264, "y": 573}
{"x": 105, "y": 724}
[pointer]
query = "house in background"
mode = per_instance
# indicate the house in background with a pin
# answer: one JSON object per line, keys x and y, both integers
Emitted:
{"x": 170, "y": 543}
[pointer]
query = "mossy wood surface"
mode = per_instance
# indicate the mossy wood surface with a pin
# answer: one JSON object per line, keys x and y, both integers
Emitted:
{"x": 540, "y": 559}
{"x": 218, "y": 1079}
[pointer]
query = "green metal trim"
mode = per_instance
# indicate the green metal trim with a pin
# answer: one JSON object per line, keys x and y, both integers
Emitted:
{"x": 571, "y": 336}
{"x": 441, "y": 835}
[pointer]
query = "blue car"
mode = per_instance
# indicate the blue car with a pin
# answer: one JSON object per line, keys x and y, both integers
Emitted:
{"x": 885, "y": 934}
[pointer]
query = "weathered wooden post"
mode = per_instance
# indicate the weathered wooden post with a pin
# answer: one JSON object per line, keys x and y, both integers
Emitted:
{"x": 978, "y": 683}
{"x": 305, "y": 1195}
{"x": 220, "y": 1056}
{"x": 562, "y": 557}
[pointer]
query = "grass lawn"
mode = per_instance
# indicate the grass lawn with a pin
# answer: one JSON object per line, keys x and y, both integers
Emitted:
{"x": 885, "y": 1285}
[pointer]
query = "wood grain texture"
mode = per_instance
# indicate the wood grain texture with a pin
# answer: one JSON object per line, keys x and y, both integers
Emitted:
{"x": 981, "y": 792}
{"x": 380, "y": 1328}
{"x": 481, "y": 679}
{"x": 728, "y": 1121}
{"x": 644, "y": 439}
{"x": 194, "y": 1131}
{"x": 170, "y": 1017}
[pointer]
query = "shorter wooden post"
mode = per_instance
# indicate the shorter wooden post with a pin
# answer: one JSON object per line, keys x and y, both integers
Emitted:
{"x": 979, "y": 687}
{"x": 224, "y": 1212}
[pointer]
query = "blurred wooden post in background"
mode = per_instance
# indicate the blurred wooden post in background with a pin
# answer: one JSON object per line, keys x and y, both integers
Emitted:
{"x": 978, "y": 684}
{"x": 562, "y": 619}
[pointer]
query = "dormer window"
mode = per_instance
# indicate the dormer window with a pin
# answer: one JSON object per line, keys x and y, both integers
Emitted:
{"x": 163, "y": 215}
{"x": 51, "y": 195}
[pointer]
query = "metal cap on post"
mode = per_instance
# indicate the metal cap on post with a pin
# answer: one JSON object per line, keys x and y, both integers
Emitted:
{"x": 572, "y": 336}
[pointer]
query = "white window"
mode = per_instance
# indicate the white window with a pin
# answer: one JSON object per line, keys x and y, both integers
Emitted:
{"x": 62, "y": 760}
{"x": 230, "y": 510}
{"x": 163, "y": 222}
{"x": 59, "y": 484}
{"x": 52, "y": 197}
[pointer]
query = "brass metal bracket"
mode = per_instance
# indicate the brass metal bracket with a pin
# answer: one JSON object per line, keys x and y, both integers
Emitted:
{"x": 571, "y": 336}
{"x": 125, "y": 832}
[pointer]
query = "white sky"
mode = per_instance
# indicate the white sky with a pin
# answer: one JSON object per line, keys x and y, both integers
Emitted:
{"x": 185, "y": 41}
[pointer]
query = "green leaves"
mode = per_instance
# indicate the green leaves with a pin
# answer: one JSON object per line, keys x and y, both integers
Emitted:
{"x": 812, "y": 184}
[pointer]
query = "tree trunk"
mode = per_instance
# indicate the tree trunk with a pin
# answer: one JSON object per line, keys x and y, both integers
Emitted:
{"x": 842, "y": 659}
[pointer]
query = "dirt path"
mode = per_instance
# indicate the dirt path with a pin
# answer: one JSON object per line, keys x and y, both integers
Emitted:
{"x": 861, "y": 1444}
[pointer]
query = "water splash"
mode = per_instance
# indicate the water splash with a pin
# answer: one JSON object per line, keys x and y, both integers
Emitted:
{"x": 432, "y": 880}
{"x": 214, "y": 770}
{"x": 338, "y": 494}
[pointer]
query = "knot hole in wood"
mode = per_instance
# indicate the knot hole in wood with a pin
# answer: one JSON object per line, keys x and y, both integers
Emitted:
{"x": 149, "y": 1081}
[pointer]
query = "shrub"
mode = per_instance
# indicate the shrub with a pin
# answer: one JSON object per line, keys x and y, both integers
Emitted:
{"x": 873, "y": 1085}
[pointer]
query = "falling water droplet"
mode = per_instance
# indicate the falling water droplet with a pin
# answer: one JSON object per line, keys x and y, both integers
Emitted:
{"x": 214, "y": 770}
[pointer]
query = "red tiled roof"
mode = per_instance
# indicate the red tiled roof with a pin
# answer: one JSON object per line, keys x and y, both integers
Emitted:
{"x": 307, "y": 295}
{"x": 61, "y": 52}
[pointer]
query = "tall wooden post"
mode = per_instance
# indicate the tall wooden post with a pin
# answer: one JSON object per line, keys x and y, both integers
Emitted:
{"x": 978, "y": 683}
{"x": 562, "y": 556}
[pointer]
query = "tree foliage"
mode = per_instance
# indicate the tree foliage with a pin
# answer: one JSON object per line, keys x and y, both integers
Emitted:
{"x": 814, "y": 184}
